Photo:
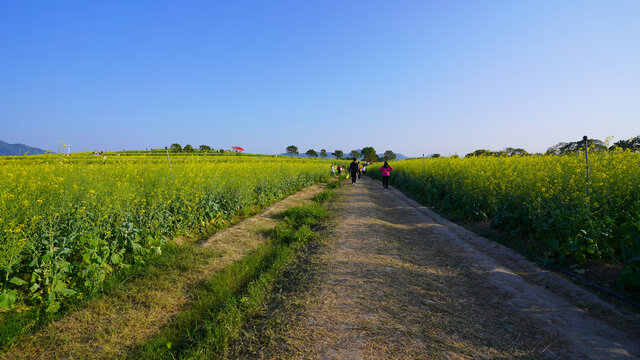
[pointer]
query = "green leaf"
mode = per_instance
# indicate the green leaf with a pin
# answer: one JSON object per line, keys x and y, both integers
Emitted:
{"x": 68, "y": 292}
{"x": 116, "y": 258}
{"x": 53, "y": 307}
{"x": 17, "y": 281}
{"x": 635, "y": 259}
{"x": 8, "y": 298}
{"x": 47, "y": 257}
{"x": 628, "y": 280}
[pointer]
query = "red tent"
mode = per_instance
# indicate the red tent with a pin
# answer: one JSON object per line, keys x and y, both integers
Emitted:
{"x": 237, "y": 149}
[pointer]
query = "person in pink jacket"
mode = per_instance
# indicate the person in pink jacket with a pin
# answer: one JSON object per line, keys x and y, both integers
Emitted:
{"x": 386, "y": 171}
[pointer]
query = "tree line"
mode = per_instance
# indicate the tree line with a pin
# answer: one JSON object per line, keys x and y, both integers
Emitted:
{"x": 368, "y": 153}
{"x": 177, "y": 148}
{"x": 563, "y": 148}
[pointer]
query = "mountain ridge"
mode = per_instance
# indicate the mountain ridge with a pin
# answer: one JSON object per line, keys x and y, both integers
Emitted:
{"x": 7, "y": 149}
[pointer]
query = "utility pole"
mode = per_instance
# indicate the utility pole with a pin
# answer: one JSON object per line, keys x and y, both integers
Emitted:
{"x": 586, "y": 157}
{"x": 169, "y": 160}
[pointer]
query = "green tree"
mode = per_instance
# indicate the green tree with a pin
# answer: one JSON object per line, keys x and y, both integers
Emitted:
{"x": 205, "y": 148}
{"x": 354, "y": 154}
{"x": 176, "y": 147}
{"x": 515, "y": 152}
{"x": 338, "y": 154}
{"x": 479, "y": 152}
{"x": 565, "y": 148}
{"x": 312, "y": 153}
{"x": 323, "y": 153}
{"x": 292, "y": 149}
{"x": 632, "y": 144}
{"x": 369, "y": 154}
{"x": 436, "y": 155}
{"x": 389, "y": 155}
{"x": 188, "y": 148}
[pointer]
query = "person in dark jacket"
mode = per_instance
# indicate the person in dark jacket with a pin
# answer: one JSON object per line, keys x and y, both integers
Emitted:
{"x": 353, "y": 171}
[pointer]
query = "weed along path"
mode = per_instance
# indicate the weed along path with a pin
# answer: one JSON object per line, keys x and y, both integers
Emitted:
{"x": 113, "y": 326}
{"x": 397, "y": 281}
{"x": 390, "y": 280}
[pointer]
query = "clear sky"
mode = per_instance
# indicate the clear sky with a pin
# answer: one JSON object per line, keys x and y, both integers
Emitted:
{"x": 411, "y": 76}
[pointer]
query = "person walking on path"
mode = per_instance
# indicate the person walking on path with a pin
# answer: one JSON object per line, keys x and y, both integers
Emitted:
{"x": 386, "y": 171}
{"x": 359, "y": 170}
{"x": 353, "y": 171}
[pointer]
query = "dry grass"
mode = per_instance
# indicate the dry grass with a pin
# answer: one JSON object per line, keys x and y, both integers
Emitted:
{"x": 114, "y": 323}
{"x": 387, "y": 288}
{"x": 266, "y": 333}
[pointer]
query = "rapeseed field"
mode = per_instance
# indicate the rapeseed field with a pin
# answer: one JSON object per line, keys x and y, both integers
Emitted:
{"x": 67, "y": 223}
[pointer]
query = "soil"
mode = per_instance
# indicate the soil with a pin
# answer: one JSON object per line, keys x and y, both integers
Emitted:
{"x": 397, "y": 281}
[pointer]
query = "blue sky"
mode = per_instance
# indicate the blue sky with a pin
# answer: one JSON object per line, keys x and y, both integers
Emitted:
{"x": 411, "y": 76}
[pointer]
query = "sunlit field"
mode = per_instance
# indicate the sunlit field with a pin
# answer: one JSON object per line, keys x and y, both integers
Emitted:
{"x": 547, "y": 198}
{"x": 68, "y": 222}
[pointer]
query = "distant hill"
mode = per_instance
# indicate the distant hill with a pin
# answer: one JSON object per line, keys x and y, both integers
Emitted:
{"x": 18, "y": 149}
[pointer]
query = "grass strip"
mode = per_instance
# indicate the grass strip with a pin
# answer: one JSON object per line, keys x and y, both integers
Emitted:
{"x": 156, "y": 272}
{"x": 159, "y": 273}
{"x": 19, "y": 323}
{"x": 222, "y": 305}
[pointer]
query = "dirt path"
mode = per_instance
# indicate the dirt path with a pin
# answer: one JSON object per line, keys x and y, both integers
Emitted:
{"x": 110, "y": 325}
{"x": 400, "y": 282}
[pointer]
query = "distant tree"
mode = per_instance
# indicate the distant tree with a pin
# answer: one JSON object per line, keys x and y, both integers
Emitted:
{"x": 369, "y": 154}
{"x": 292, "y": 149}
{"x": 323, "y": 153}
{"x": 354, "y": 154}
{"x": 564, "y": 148}
{"x": 205, "y": 148}
{"x": 632, "y": 144}
{"x": 389, "y": 155}
{"x": 479, "y": 152}
{"x": 454, "y": 156}
{"x": 176, "y": 147}
{"x": 515, "y": 152}
{"x": 221, "y": 151}
{"x": 188, "y": 148}
{"x": 555, "y": 149}
{"x": 436, "y": 155}
{"x": 338, "y": 154}
{"x": 311, "y": 153}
